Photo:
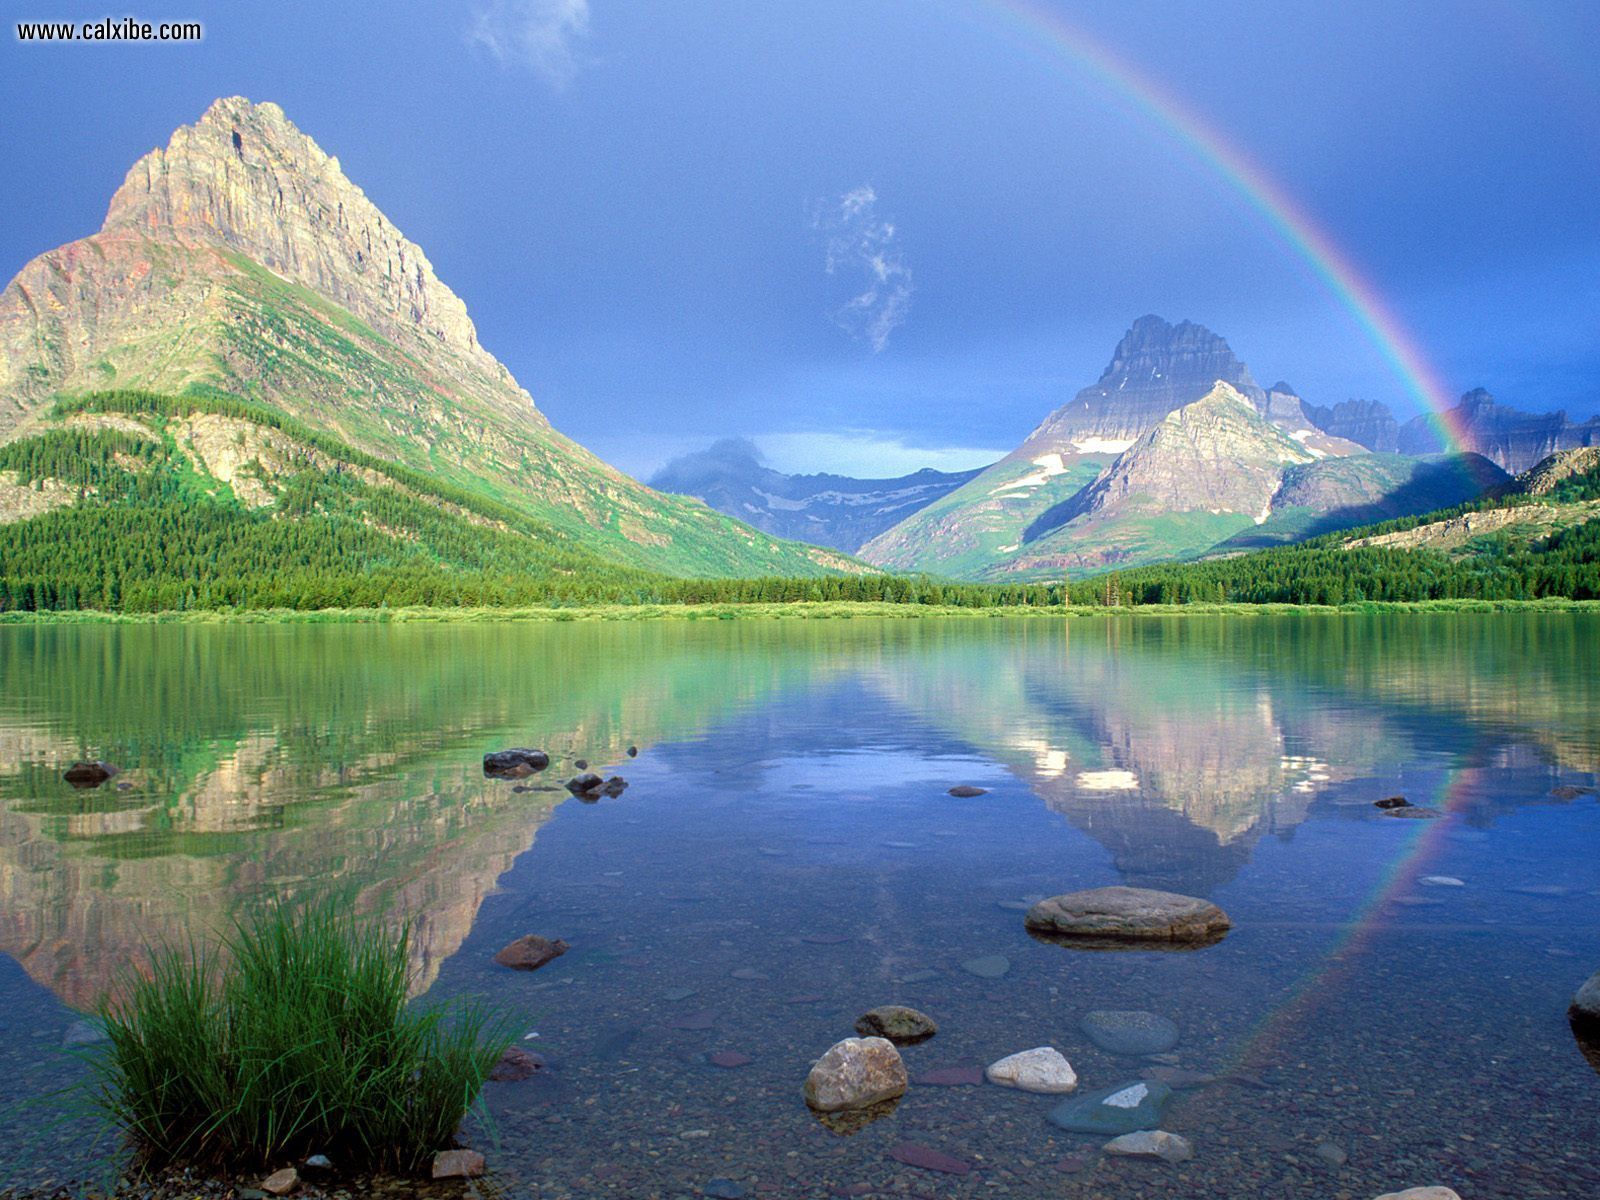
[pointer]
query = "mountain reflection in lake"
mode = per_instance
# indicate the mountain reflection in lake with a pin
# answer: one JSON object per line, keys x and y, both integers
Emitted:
{"x": 1388, "y": 1011}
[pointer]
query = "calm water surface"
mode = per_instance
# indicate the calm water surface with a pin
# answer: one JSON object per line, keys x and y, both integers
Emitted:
{"x": 787, "y": 857}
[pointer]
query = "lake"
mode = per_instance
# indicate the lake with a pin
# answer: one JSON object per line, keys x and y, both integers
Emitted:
{"x": 1389, "y": 1009}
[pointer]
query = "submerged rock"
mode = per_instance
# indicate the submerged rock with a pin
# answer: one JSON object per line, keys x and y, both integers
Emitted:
{"x": 1392, "y": 802}
{"x": 1043, "y": 1069}
{"x": 1585, "y": 1009}
{"x": 990, "y": 966}
{"x": 722, "y": 1188}
{"x": 614, "y": 786}
{"x": 1413, "y": 812}
{"x": 517, "y": 1064}
{"x": 951, "y": 1077}
{"x": 1133, "y": 1033}
{"x": 856, "y": 1073}
{"x": 1128, "y": 914}
{"x": 1126, "y": 1108}
{"x": 586, "y": 784}
{"x": 516, "y": 763}
{"x": 457, "y": 1164}
{"x": 966, "y": 791}
{"x": 1151, "y": 1143}
{"x": 87, "y": 1032}
{"x": 929, "y": 1159}
{"x": 530, "y": 952}
{"x": 897, "y": 1023}
{"x": 89, "y": 774}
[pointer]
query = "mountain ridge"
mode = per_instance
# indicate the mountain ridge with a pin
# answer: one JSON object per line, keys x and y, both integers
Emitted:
{"x": 821, "y": 508}
{"x": 240, "y": 260}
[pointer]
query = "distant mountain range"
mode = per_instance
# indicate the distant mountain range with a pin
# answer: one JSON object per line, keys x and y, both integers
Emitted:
{"x": 1174, "y": 452}
{"x": 828, "y": 510}
{"x": 248, "y": 388}
{"x": 299, "y": 361}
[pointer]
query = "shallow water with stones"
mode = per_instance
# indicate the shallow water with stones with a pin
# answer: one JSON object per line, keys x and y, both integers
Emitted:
{"x": 1388, "y": 1011}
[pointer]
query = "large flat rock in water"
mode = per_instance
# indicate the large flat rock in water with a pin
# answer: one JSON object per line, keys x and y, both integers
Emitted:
{"x": 1128, "y": 914}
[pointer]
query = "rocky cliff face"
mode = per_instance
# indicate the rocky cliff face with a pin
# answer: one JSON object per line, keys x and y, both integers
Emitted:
{"x": 826, "y": 510}
{"x": 1515, "y": 440}
{"x": 1368, "y": 423}
{"x": 1156, "y": 368}
{"x": 240, "y": 259}
{"x": 245, "y": 177}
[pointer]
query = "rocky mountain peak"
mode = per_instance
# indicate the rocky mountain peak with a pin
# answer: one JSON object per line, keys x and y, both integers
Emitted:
{"x": 1157, "y": 367}
{"x": 245, "y": 177}
{"x": 1153, "y": 350}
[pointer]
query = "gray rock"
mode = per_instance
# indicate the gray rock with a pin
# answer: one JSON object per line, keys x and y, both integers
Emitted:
{"x": 1132, "y": 1033}
{"x": 1126, "y": 1108}
{"x": 898, "y": 1023}
{"x": 1332, "y": 1154}
{"x": 87, "y": 1032}
{"x": 586, "y": 784}
{"x": 724, "y": 1189}
{"x": 1125, "y": 914}
{"x": 1044, "y": 1070}
{"x": 1151, "y": 1143}
{"x": 966, "y": 791}
{"x": 990, "y": 966}
{"x": 1585, "y": 1010}
{"x": 856, "y": 1073}
{"x": 517, "y": 763}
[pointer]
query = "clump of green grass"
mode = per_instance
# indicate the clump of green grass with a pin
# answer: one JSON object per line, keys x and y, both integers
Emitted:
{"x": 296, "y": 1039}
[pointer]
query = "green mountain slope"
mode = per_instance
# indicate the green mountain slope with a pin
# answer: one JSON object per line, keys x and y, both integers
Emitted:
{"x": 1539, "y": 538}
{"x": 240, "y": 260}
{"x": 1362, "y": 489}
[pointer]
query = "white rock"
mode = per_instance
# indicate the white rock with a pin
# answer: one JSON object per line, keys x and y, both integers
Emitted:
{"x": 1422, "y": 1193}
{"x": 1151, "y": 1143}
{"x": 1042, "y": 1069}
{"x": 1442, "y": 881}
{"x": 1128, "y": 1097}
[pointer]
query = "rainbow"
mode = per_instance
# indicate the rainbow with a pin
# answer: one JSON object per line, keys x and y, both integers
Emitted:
{"x": 1418, "y": 844}
{"x": 1043, "y": 27}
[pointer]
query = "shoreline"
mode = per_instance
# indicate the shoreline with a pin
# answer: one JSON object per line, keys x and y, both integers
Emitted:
{"x": 794, "y": 610}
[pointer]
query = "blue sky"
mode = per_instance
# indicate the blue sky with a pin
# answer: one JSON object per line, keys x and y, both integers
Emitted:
{"x": 877, "y": 234}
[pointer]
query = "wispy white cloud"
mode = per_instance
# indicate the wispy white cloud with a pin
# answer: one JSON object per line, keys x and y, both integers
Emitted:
{"x": 861, "y": 245}
{"x": 540, "y": 35}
